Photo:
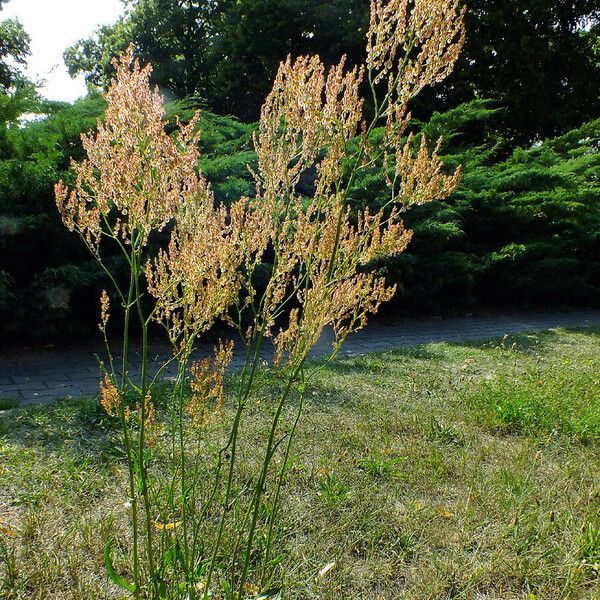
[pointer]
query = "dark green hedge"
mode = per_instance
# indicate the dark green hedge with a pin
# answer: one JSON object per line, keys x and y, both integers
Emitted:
{"x": 49, "y": 285}
{"x": 523, "y": 226}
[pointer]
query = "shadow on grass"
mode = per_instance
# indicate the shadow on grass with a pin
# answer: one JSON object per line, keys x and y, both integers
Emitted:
{"x": 72, "y": 426}
{"x": 83, "y": 426}
{"x": 9, "y": 402}
{"x": 527, "y": 342}
{"x": 374, "y": 362}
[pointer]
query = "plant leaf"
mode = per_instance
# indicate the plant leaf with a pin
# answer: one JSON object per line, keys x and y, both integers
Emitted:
{"x": 271, "y": 594}
{"x": 112, "y": 574}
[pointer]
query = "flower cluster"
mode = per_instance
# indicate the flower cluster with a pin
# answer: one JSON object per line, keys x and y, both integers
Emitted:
{"x": 195, "y": 279}
{"x": 104, "y": 311}
{"x": 110, "y": 398}
{"x": 135, "y": 175}
{"x": 308, "y": 120}
{"x": 137, "y": 179}
{"x": 414, "y": 44}
{"x": 207, "y": 384}
{"x": 146, "y": 415}
{"x": 411, "y": 45}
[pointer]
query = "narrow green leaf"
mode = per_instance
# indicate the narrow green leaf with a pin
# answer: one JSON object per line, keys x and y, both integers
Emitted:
{"x": 271, "y": 594}
{"x": 112, "y": 574}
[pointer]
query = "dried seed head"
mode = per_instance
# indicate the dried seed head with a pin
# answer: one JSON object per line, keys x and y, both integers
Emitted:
{"x": 137, "y": 179}
{"x": 414, "y": 44}
{"x": 104, "y": 308}
{"x": 135, "y": 174}
{"x": 207, "y": 384}
{"x": 109, "y": 396}
{"x": 308, "y": 120}
{"x": 148, "y": 413}
{"x": 421, "y": 178}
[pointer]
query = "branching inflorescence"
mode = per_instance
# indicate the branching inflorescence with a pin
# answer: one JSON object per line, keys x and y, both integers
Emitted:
{"x": 137, "y": 179}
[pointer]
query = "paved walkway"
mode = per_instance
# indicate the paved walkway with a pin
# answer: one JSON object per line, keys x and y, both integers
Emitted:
{"x": 45, "y": 374}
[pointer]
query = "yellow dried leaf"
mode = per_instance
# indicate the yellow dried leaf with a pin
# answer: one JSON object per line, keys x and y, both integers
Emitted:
{"x": 166, "y": 526}
{"x": 326, "y": 569}
{"x": 7, "y": 531}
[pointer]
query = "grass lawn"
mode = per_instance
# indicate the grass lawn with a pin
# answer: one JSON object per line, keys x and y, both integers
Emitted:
{"x": 445, "y": 471}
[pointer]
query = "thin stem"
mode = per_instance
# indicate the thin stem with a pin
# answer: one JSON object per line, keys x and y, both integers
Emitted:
{"x": 259, "y": 488}
{"x": 135, "y": 262}
{"x": 275, "y": 506}
{"x": 126, "y": 437}
{"x": 244, "y": 390}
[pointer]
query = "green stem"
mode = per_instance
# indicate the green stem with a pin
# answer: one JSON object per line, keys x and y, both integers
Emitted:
{"x": 183, "y": 477}
{"x": 246, "y": 382}
{"x": 259, "y": 488}
{"x": 126, "y": 437}
{"x": 275, "y": 506}
{"x": 135, "y": 261}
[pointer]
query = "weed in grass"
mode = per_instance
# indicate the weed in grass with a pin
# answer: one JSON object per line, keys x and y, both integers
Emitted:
{"x": 588, "y": 545}
{"x": 555, "y": 399}
{"x": 137, "y": 179}
{"x": 27, "y": 498}
{"x": 445, "y": 434}
{"x": 8, "y": 562}
{"x": 404, "y": 544}
{"x": 332, "y": 490}
{"x": 379, "y": 465}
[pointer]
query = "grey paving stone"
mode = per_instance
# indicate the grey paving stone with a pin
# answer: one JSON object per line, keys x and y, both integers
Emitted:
{"x": 31, "y": 386}
{"x": 41, "y": 375}
{"x": 23, "y": 379}
{"x": 11, "y": 394}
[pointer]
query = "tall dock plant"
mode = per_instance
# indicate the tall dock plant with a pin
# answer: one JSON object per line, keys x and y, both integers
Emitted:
{"x": 196, "y": 532}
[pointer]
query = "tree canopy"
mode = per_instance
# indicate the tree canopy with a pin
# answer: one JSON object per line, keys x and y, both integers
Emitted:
{"x": 14, "y": 50}
{"x": 536, "y": 58}
{"x": 225, "y": 51}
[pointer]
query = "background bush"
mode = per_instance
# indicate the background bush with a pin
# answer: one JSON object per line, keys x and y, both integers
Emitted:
{"x": 46, "y": 277}
{"x": 522, "y": 228}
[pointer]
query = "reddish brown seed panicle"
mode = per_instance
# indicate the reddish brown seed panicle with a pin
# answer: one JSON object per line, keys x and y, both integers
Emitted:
{"x": 207, "y": 384}
{"x": 135, "y": 174}
{"x": 109, "y": 396}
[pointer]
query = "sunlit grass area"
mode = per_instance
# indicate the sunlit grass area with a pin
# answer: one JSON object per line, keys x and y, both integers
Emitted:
{"x": 444, "y": 471}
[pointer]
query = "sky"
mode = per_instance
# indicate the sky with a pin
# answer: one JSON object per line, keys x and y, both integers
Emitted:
{"x": 53, "y": 26}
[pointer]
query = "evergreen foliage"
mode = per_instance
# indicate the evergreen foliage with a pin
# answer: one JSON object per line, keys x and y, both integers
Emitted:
{"x": 519, "y": 229}
{"x": 523, "y": 226}
{"x": 45, "y": 276}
